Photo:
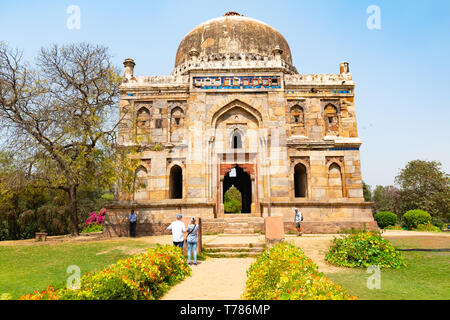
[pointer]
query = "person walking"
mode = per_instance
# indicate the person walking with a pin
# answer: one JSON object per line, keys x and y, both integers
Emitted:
{"x": 178, "y": 229}
{"x": 132, "y": 218}
{"x": 192, "y": 240}
{"x": 298, "y": 218}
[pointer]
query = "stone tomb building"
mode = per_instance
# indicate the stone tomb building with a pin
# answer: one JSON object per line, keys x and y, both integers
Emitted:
{"x": 236, "y": 112}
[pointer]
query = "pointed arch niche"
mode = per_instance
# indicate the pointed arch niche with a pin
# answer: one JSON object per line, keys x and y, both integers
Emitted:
{"x": 141, "y": 183}
{"x": 336, "y": 182}
{"x": 331, "y": 119}
{"x": 300, "y": 178}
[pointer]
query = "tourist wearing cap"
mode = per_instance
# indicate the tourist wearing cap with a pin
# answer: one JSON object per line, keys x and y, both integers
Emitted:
{"x": 178, "y": 229}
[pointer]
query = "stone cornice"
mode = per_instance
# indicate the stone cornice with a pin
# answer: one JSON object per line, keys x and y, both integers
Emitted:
{"x": 292, "y": 81}
{"x": 329, "y": 143}
{"x": 234, "y": 62}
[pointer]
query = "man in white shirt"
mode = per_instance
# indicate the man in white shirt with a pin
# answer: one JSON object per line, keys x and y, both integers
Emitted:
{"x": 178, "y": 229}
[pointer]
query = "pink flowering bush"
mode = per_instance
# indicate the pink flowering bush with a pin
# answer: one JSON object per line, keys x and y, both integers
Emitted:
{"x": 94, "y": 223}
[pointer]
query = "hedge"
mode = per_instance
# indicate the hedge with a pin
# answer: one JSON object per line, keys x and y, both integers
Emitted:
{"x": 413, "y": 218}
{"x": 141, "y": 277}
{"x": 385, "y": 219}
{"x": 285, "y": 273}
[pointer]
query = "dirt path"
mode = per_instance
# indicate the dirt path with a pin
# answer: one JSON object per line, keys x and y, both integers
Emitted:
{"x": 213, "y": 279}
{"x": 316, "y": 248}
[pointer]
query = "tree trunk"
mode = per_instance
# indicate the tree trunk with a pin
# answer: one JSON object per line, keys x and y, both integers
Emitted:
{"x": 73, "y": 211}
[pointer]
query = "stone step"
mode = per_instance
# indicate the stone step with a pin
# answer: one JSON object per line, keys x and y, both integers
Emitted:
{"x": 234, "y": 249}
{"x": 239, "y": 230}
{"x": 238, "y": 224}
{"x": 233, "y": 254}
{"x": 233, "y": 245}
{"x": 224, "y": 235}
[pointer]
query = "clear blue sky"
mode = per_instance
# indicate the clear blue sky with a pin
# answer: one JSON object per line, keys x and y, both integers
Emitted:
{"x": 402, "y": 71}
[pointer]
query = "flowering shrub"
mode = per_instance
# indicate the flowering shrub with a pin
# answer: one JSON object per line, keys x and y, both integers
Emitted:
{"x": 94, "y": 223}
{"x": 95, "y": 218}
{"x": 385, "y": 218}
{"x": 413, "y": 218}
{"x": 93, "y": 227}
{"x": 427, "y": 227}
{"x": 364, "y": 250}
{"x": 141, "y": 277}
{"x": 48, "y": 294}
{"x": 285, "y": 273}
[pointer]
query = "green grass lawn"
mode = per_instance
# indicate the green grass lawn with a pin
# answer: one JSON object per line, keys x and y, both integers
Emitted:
{"x": 25, "y": 268}
{"x": 424, "y": 278}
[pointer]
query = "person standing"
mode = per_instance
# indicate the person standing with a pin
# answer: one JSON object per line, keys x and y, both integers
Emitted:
{"x": 192, "y": 240}
{"x": 132, "y": 218}
{"x": 298, "y": 221}
{"x": 178, "y": 229}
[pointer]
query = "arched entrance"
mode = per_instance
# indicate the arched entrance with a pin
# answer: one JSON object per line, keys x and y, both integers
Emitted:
{"x": 241, "y": 180}
{"x": 300, "y": 181}
{"x": 176, "y": 183}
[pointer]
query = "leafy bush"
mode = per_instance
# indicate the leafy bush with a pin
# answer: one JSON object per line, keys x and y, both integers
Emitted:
{"x": 95, "y": 218}
{"x": 438, "y": 223}
{"x": 93, "y": 227}
{"x": 141, "y": 277}
{"x": 427, "y": 227}
{"x": 94, "y": 223}
{"x": 285, "y": 273}
{"x": 385, "y": 218}
{"x": 364, "y": 250}
{"x": 393, "y": 228}
{"x": 413, "y": 218}
{"x": 232, "y": 201}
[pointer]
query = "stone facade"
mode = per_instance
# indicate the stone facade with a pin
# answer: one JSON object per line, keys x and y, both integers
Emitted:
{"x": 241, "y": 115}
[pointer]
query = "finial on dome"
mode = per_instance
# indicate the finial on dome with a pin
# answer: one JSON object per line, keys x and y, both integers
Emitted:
{"x": 232, "y": 13}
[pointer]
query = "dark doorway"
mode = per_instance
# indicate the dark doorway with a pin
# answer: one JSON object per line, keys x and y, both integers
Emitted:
{"x": 241, "y": 180}
{"x": 176, "y": 183}
{"x": 300, "y": 181}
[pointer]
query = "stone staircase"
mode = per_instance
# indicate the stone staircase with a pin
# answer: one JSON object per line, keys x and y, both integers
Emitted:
{"x": 233, "y": 250}
{"x": 238, "y": 239}
{"x": 238, "y": 226}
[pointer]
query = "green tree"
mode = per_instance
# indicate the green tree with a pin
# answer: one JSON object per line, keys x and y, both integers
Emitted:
{"x": 367, "y": 192}
{"x": 424, "y": 185}
{"x": 62, "y": 116}
{"x": 233, "y": 201}
{"x": 386, "y": 198}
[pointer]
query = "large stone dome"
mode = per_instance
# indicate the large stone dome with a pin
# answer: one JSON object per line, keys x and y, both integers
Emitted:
{"x": 233, "y": 34}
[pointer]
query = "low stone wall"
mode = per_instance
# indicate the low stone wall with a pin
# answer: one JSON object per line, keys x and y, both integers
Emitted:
{"x": 329, "y": 227}
{"x": 153, "y": 219}
{"x": 142, "y": 229}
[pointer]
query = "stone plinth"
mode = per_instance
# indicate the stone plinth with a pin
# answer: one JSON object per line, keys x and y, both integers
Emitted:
{"x": 274, "y": 230}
